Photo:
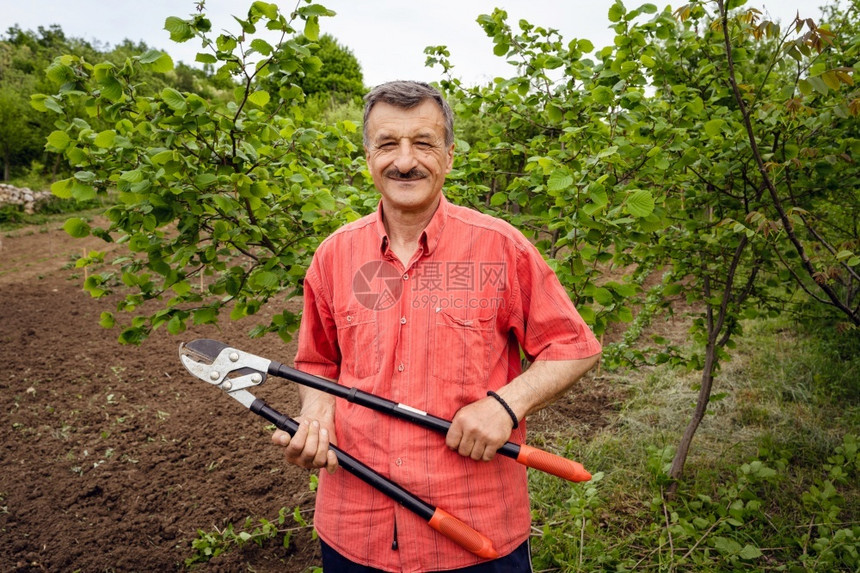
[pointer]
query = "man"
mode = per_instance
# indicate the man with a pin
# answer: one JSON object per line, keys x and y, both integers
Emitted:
{"x": 427, "y": 304}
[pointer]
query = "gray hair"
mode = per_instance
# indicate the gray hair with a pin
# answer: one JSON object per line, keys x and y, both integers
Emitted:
{"x": 406, "y": 95}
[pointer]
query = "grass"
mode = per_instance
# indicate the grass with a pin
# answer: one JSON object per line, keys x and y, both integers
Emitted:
{"x": 771, "y": 483}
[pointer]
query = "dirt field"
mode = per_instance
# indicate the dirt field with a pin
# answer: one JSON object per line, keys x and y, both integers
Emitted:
{"x": 113, "y": 457}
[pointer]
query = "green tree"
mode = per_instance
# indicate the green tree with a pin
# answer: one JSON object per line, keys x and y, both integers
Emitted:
{"x": 219, "y": 202}
{"x": 23, "y": 59}
{"x": 339, "y": 75}
{"x": 680, "y": 149}
{"x": 18, "y": 143}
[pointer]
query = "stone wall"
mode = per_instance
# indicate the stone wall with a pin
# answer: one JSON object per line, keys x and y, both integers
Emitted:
{"x": 22, "y": 196}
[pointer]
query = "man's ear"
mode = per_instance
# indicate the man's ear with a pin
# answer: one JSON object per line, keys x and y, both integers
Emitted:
{"x": 450, "y": 164}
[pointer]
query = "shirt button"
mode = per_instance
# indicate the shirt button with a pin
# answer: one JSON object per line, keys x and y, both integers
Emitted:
{"x": 406, "y": 277}
{"x": 349, "y": 318}
{"x": 402, "y": 320}
{"x": 400, "y": 367}
{"x": 399, "y": 462}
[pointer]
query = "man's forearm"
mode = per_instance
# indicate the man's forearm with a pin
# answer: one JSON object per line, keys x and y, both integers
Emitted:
{"x": 543, "y": 382}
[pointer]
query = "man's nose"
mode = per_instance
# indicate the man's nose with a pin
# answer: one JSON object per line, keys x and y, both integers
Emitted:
{"x": 405, "y": 159}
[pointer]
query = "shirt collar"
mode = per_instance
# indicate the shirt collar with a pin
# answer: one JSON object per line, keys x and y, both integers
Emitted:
{"x": 429, "y": 236}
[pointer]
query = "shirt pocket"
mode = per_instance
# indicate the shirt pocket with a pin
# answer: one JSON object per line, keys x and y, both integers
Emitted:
{"x": 462, "y": 340}
{"x": 358, "y": 338}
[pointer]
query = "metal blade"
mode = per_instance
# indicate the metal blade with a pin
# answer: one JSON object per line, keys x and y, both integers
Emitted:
{"x": 228, "y": 368}
{"x": 205, "y": 352}
{"x": 204, "y": 349}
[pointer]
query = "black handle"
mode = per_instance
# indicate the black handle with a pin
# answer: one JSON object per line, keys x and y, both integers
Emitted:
{"x": 526, "y": 455}
{"x": 438, "y": 519}
{"x": 351, "y": 464}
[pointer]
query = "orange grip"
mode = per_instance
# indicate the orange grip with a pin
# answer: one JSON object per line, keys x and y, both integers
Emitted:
{"x": 462, "y": 534}
{"x": 552, "y": 464}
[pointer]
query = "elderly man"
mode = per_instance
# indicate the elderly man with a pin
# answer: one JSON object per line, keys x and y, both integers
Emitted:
{"x": 428, "y": 304}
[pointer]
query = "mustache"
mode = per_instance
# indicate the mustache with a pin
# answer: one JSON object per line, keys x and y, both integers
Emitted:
{"x": 413, "y": 173}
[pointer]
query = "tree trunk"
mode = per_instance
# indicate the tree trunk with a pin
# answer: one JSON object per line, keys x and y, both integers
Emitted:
{"x": 677, "y": 469}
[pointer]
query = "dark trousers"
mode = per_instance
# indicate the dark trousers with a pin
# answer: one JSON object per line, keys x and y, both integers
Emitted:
{"x": 519, "y": 561}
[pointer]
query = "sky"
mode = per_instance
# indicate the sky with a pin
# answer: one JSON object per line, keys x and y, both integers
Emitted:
{"x": 387, "y": 37}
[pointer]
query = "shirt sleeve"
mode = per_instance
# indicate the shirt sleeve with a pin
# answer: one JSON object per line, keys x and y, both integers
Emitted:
{"x": 543, "y": 319}
{"x": 318, "y": 351}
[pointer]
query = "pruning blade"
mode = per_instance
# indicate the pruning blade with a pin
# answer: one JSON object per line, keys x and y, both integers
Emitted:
{"x": 232, "y": 370}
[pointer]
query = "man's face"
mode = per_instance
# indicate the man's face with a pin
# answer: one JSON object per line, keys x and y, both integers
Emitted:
{"x": 407, "y": 155}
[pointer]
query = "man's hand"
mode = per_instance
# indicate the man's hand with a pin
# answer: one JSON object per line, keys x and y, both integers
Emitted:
{"x": 479, "y": 429}
{"x": 309, "y": 447}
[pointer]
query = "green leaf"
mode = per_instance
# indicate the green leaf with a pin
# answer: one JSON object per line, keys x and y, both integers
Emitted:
{"x": 262, "y": 46}
{"x": 43, "y": 103}
{"x": 180, "y": 30}
{"x": 105, "y": 139}
{"x": 587, "y": 314}
{"x": 559, "y": 181}
{"x": 205, "y": 179}
{"x": 174, "y": 99}
{"x": 205, "y": 58}
{"x": 831, "y": 80}
{"x": 60, "y": 73}
{"x": 598, "y": 196}
{"x": 162, "y": 64}
{"x": 554, "y": 113}
{"x": 727, "y": 546}
{"x": 750, "y": 552}
{"x": 205, "y": 315}
{"x": 312, "y": 29}
{"x": 107, "y": 320}
{"x": 818, "y": 85}
{"x": 259, "y": 98}
{"x": 62, "y": 188}
{"x": 58, "y": 141}
{"x": 132, "y": 176}
{"x": 640, "y": 203}
{"x": 162, "y": 157}
{"x": 498, "y": 198}
{"x": 175, "y": 325}
{"x": 270, "y": 11}
{"x": 82, "y": 192}
{"x": 602, "y": 95}
{"x": 150, "y": 56}
{"x": 181, "y": 288}
{"x": 616, "y": 12}
{"x": 264, "y": 279}
{"x": 111, "y": 88}
{"x": 714, "y": 127}
{"x": 603, "y": 296}
{"x": 625, "y": 314}
{"x": 76, "y": 227}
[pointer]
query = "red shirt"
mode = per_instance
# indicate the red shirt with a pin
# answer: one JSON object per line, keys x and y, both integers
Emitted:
{"x": 436, "y": 335}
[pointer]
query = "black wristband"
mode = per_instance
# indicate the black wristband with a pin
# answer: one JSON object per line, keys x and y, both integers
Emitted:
{"x": 506, "y": 407}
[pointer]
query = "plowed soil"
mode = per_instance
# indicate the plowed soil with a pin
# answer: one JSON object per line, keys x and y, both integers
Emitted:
{"x": 114, "y": 457}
